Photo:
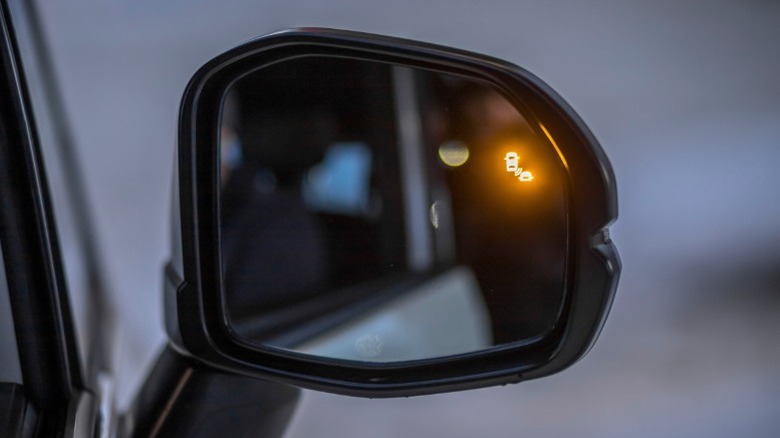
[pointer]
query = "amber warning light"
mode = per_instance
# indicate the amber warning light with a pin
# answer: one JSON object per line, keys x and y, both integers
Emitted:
{"x": 511, "y": 160}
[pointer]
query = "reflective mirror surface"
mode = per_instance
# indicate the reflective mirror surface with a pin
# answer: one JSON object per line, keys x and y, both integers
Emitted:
{"x": 380, "y": 213}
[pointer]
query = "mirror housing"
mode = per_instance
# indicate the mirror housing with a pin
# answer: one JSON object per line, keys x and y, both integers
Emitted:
{"x": 196, "y": 315}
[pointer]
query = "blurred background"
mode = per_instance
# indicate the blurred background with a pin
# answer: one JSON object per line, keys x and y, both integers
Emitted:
{"x": 683, "y": 96}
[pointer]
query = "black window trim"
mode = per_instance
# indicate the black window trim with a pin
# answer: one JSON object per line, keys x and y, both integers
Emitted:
{"x": 41, "y": 310}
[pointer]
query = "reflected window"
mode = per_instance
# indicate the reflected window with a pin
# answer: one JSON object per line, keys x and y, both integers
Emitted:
{"x": 341, "y": 182}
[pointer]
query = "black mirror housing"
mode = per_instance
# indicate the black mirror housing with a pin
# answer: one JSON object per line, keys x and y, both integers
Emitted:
{"x": 196, "y": 315}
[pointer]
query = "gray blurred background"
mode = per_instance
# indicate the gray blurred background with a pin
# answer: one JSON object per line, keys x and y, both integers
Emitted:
{"x": 685, "y": 99}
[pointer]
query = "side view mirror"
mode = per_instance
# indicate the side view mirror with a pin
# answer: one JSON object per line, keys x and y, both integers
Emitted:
{"x": 379, "y": 217}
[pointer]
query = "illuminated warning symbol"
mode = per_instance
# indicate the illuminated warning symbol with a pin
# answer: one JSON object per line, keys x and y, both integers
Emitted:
{"x": 511, "y": 161}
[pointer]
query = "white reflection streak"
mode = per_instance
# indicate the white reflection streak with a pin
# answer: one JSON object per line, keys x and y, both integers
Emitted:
{"x": 434, "y": 216}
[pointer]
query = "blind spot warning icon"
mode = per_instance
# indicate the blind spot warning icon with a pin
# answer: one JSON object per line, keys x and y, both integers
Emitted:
{"x": 511, "y": 161}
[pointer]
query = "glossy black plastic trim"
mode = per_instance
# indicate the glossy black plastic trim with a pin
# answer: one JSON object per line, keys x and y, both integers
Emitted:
{"x": 195, "y": 310}
{"x": 182, "y": 397}
{"x": 17, "y": 416}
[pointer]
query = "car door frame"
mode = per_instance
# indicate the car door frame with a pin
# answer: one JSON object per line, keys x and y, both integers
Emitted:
{"x": 51, "y": 397}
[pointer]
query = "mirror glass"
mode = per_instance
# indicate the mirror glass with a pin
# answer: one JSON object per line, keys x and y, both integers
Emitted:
{"x": 375, "y": 212}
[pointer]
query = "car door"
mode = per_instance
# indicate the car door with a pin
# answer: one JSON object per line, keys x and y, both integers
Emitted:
{"x": 55, "y": 334}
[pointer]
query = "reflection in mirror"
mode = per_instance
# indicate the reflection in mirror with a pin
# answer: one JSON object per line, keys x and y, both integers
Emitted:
{"x": 380, "y": 213}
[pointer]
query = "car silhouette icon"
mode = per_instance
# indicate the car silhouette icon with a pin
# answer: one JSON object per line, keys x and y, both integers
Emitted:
{"x": 511, "y": 161}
